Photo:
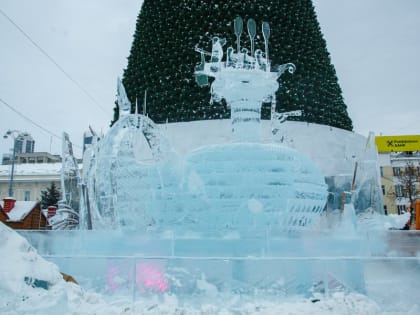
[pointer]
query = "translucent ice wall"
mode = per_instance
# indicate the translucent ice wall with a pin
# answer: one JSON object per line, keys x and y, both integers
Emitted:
{"x": 345, "y": 158}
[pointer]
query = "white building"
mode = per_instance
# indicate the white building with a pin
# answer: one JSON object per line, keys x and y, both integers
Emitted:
{"x": 29, "y": 180}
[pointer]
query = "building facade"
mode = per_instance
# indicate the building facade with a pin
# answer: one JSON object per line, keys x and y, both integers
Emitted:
{"x": 399, "y": 158}
{"x": 33, "y": 157}
{"x": 29, "y": 180}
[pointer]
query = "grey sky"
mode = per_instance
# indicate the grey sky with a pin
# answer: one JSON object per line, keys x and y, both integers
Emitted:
{"x": 373, "y": 45}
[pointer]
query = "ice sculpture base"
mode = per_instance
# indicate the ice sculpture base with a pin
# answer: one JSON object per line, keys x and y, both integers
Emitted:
{"x": 296, "y": 263}
{"x": 133, "y": 267}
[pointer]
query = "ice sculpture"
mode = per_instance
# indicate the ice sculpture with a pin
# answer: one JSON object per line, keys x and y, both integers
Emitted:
{"x": 120, "y": 185}
{"x": 226, "y": 201}
{"x": 241, "y": 187}
{"x": 67, "y": 215}
{"x": 70, "y": 176}
{"x": 122, "y": 99}
{"x": 243, "y": 80}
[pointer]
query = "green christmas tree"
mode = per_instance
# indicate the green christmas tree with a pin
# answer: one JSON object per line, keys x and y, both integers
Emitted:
{"x": 162, "y": 58}
{"x": 50, "y": 196}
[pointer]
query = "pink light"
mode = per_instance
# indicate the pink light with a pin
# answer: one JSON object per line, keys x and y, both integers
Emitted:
{"x": 148, "y": 277}
{"x": 111, "y": 274}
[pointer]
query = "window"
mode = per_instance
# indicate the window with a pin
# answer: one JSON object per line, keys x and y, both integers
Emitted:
{"x": 396, "y": 171}
{"x": 382, "y": 171}
{"x": 29, "y": 146}
{"x": 385, "y": 210}
{"x": 27, "y": 195}
{"x": 398, "y": 190}
{"x": 19, "y": 145}
{"x": 383, "y": 190}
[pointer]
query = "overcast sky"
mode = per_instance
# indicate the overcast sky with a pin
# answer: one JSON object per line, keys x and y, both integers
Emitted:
{"x": 374, "y": 45}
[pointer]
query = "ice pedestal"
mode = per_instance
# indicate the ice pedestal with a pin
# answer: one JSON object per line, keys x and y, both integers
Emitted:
{"x": 140, "y": 266}
{"x": 261, "y": 266}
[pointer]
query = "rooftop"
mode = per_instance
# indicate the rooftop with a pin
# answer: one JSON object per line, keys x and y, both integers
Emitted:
{"x": 20, "y": 210}
{"x": 33, "y": 169}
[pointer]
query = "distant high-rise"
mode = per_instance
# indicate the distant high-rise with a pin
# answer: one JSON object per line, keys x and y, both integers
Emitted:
{"x": 162, "y": 58}
{"x": 24, "y": 143}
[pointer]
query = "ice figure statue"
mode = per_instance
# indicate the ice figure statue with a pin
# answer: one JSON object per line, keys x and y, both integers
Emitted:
{"x": 249, "y": 185}
{"x": 67, "y": 216}
{"x": 244, "y": 80}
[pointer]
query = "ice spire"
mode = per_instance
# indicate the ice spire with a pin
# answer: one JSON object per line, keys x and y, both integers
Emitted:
{"x": 122, "y": 99}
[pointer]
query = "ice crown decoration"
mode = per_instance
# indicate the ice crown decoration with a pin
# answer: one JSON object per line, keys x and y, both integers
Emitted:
{"x": 242, "y": 59}
{"x": 243, "y": 80}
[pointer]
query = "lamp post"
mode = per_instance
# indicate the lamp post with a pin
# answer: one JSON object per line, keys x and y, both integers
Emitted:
{"x": 15, "y": 134}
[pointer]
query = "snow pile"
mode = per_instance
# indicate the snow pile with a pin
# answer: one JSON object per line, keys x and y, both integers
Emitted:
{"x": 396, "y": 221}
{"x": 31, "y": 285}
{"x": 339, "y": 303}
{"x": 371, "y": 220}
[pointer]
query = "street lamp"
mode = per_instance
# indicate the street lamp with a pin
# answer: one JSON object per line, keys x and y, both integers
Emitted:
{"x": 15, "y": 134}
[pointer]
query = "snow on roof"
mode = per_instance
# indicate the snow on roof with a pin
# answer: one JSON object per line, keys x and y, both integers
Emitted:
{"x": 33, "y": 169}
{"x": 20, "y": 210}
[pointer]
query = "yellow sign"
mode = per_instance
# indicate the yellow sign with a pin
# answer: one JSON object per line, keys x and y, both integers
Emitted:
{"x": 398, "y": 143}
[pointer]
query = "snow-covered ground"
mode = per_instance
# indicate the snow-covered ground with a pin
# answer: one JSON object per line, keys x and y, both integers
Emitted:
{"x": 31, "y": 285}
